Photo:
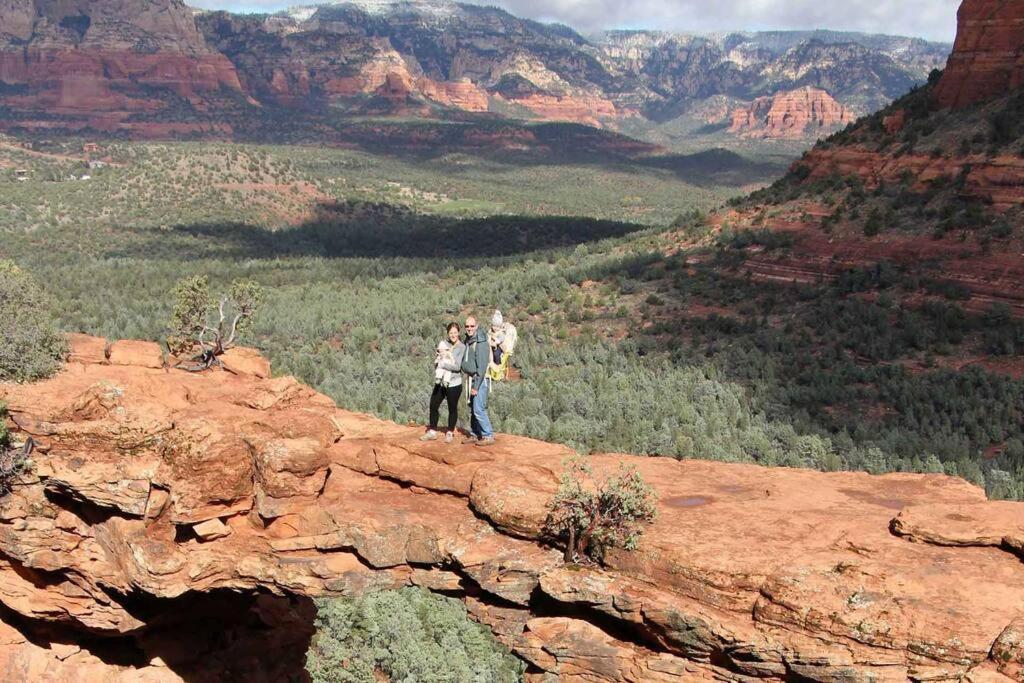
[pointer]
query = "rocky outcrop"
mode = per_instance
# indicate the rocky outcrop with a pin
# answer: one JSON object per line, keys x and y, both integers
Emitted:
{"x": 591, "y": 111}
{"x": 806, "y": 112}
{"x": 996, "y": 180}
{"x": 159, "y": 497}
{"x": 988, "y": 55}
{"x": 989, "y": 277}
{"x": 463, "y": 94}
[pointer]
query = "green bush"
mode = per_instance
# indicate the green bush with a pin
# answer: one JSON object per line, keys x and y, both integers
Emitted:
{"x": 874, "y": 223}
{"x": 31, "y": 347}
{"x": 5, "y": 436}
{"x": 406, "y": 636}
{"x": 592, "y": 515}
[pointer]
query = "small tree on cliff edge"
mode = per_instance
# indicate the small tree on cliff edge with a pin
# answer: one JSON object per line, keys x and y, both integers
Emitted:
{"x": 592, "y": 515}
{"x": 204, "y": 328}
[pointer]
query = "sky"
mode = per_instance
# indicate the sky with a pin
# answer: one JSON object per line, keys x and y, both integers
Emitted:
{"x": 933, "y": 19}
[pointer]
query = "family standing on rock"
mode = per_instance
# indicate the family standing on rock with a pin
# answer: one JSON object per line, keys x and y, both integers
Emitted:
{"x": 483, "y": 358}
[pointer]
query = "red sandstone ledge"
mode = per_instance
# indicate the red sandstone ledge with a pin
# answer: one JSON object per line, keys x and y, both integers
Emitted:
{"x": 158, "y": 482}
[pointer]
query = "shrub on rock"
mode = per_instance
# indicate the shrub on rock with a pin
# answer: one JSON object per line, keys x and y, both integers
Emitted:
{"x": 31, "y": 346}
{"x": 202, "y": 327}
{"x": 13, "y": 461}
{"x": 591, "y": 515}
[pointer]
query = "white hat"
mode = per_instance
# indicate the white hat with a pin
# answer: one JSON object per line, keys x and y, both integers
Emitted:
{"x": 496, "y": 319}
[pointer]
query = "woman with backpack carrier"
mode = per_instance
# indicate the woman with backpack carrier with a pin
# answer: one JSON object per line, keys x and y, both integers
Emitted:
{"x": 447, "y": 383}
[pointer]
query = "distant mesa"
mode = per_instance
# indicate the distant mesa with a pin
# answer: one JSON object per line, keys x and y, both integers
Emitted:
{"x": 791, "y": 114}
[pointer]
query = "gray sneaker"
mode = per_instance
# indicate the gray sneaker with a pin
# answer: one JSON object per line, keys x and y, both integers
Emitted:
{"x": 471, "y": 439}
{"x": 486, "y": 441}
{"x": 449, "y": 437}
{"x": 429, "y": 436}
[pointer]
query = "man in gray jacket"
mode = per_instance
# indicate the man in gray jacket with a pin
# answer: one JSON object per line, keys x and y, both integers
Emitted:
{"x": 475, "y": 364}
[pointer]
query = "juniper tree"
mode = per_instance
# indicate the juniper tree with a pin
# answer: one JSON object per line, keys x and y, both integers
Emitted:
{"x": 591, "y": 514}
{"x": 31, "y": 346}
{"x": 204, "y": 328}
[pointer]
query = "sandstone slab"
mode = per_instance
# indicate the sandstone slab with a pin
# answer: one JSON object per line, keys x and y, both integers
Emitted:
{"x": 747, "y": 574}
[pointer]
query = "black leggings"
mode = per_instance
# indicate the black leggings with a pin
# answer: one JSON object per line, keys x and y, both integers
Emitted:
{"x": 441, "y": 393}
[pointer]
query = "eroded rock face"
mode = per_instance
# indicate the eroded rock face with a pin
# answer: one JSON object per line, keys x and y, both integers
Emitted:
{"x": 151, "y": 69}
{"x": 792, "y": 114}
{"x": 997, "y": 180}
{"x": 155, "y": 491}
{"x": 988, "y": 55}
{"x": 96, "y": 64}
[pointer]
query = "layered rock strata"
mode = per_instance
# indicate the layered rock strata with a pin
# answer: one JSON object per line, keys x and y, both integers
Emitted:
{"x": 988, "y": 55}
{"x": 100, "y": 65}
{"x": 791, "y": 114}
{"x": 155, "y": 492}
{"x": 996, "y": 180}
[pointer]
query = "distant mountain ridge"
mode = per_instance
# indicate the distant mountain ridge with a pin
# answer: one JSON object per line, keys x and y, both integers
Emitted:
{"x": 428, "y": 58}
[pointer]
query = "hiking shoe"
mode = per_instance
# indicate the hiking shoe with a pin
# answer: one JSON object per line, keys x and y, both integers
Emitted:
{"x": 487, "y": 441}
{"x": 471, "y": 439}
{"x": 429, "y": 436}
{"x": 449, "y": 437}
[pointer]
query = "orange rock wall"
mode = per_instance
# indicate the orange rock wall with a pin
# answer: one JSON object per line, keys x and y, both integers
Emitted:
{"x": 592, "y": 111}
{"x": 996, "y": 180}
{"x": 76, "y": 82}
{"x": 988, "y": 55}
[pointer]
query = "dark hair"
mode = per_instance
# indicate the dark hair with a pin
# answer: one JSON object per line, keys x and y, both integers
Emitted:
{"x": 449, "y": 327}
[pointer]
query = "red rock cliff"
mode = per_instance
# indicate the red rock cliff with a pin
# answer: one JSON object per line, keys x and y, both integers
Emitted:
{"x": 96, "y": 63}
{"x": 160, "y": 498}
{"x": 791, "y": 114}
{"x": 988, "y": 55}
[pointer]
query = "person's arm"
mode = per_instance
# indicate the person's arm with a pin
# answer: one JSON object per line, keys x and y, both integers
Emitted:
{"x": 483, "y": 361}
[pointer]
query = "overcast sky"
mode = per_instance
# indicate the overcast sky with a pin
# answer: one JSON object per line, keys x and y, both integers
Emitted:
{"x": 935, "y": 19}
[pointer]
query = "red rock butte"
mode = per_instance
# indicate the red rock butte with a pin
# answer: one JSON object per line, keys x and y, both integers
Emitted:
{"x": 790, "y": 114}
{"x": 162, "y": 501}
{"x": 988, "y": 55}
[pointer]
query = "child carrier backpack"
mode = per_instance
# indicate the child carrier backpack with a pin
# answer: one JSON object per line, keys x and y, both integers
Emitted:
{"x": 502, "y": 354}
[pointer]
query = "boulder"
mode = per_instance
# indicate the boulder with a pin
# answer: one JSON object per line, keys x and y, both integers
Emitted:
{"x": 245, "y": 361}
{"x": 211, "y": 530}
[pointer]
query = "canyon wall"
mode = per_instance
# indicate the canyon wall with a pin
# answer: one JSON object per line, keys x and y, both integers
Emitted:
{"x": 154, "y": 67}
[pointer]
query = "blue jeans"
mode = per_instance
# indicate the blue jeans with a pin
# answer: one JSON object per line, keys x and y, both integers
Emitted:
{"x": 480, "y": 423}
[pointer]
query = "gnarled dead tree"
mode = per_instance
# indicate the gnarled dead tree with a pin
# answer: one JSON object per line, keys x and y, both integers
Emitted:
{"x": 203, "y": 328}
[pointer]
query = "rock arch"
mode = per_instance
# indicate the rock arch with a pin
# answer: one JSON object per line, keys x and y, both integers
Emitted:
{"x": 161, "y": 498}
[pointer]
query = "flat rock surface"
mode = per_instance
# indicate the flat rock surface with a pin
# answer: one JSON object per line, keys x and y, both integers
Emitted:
{"x": 163, "y": 483}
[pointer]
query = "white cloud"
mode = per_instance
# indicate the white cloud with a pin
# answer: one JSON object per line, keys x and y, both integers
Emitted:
{"x": 934, "y": 19}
